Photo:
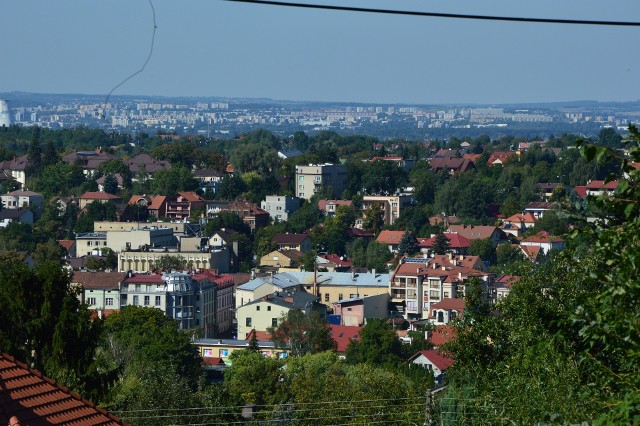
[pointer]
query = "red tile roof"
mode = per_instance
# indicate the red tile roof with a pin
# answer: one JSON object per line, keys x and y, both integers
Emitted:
{"x": 519, "y": 217}
{"x": 600, "y": 184}
{"x": 334, "y": 258}
{"x": 455, "y": 241}
{"x": 532, "y": 252}
{"x": 438, "y": 359}
{"x": 506, "y": 280}
{"x": 581, "y": 191}
{"x": 145, "y": 278}
{"x": 322, "y": 204}
{"x": 38, "y": 401}
{"x": 343, "y": 334}
{"x": 442, "y": 334}
{"x": 210, "y": 361}
{"x": 390, "y": 237}
{"x": 67, "y": 244}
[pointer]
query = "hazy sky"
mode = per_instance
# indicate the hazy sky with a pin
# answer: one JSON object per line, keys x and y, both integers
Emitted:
{"x": 217, "y": 48}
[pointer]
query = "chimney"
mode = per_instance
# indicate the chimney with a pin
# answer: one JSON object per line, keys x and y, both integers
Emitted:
{"x": 450, "y": 256}
{"x": 373, "y": 271}
{"x": 253, "y": 274}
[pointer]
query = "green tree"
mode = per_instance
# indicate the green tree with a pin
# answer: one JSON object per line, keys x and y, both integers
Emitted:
{"x": 253, "y": 378}
{"x": 373, "y": 220}
{"x": 383, "y": 178}
{"x": 255, "y": 157}
{"x": 111, "y": 184}
{"x": 408, "y": 244}
{"x": 176, "y": 179}
{"x": 378, "y": 345}
{"x": 169, "y": 262}
{"x": 231, "y": 187}
{"x": 302, "y": 334}
{"x": 441, "y": 244}
{"x": 483, "y": 248}
{"x": 34, "y": 153}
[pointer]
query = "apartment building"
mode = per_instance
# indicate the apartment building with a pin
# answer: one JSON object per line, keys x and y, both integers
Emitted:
{"x": 314, "y": 177}
{"x": 280, "y": 207}
{"x": 391, "y": 206}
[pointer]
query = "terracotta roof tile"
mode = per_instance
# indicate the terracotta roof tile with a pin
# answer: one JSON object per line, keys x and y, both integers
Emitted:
{"x": 437, "y": 358}
{"x": 99, "y": 196}
{"x": 37, "y": 400}
{"x": 390, "y": 237}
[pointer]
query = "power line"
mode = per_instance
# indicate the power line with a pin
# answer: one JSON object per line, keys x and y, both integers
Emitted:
{"x": 441, "y": 15}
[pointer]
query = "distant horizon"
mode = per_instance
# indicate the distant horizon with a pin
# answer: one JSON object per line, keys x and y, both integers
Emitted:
{"x": 282, "y": 100}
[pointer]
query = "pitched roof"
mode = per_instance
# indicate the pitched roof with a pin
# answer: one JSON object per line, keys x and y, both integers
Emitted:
{"x": 338, "y": 260}
{"x": 24, "y": 193}
{"x": 99, "y": 196}
{"x": 390, "y": 237}
{"x": 292, "y": 254}
{"x": 442, "y": 334}
{"x": 190, "y": 196}
{"x": 38, "y": 401}
{"x": 147, "y": 163}
{"x": 540, "y": 205}
{"x": 98, "y": 279}
{"x": 600, "y": 184}
{"x": 532, "y": 252}
{"x": 289, "y": 238}
{"x": 435, "y": 357}
{"x": 203, "y": 173}
{"x": 344, "y": 334}
{"x": 521, "y": 218}
{"x": 506, "y": 280}
{"x": 289, "y": 299}
{"x": 543, "y": 237}
{"x": 13, "y": 213}
{"x": 472, "y": 232}
{"x": 67, "y": 244}
{"x": 455, "y": 241}
{"x": 156, "y": 202}
{"x": 449, "y": 303}
{"x": 456, "y": 164}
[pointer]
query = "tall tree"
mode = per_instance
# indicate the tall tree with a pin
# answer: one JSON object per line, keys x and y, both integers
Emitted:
{"x": 408, "y": 244}
{"x": 302, "y": 333}
{"x": 441, "y": 244}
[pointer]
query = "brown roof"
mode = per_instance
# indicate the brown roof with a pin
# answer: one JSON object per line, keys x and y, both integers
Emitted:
{"x": 147, "y": 163}
{"x": 99, "y": 196}
{"x": 601, "y": 184}
{"x": 98, "y": 279}
{"x": 543, "y": 237}
{"x": 390, "y": 237}
{"x": 290, "y": 238}
{"x": 190, "y": 196}
{"x": 156, "y": 202}
{"x": 449, "y": 304}
{"x": 472, "y": 232}
{"x": 292, "y": 254}
{"x": 455, "y": 241}
{"x": 67, "y": 244}
{"x": 38, "y": 401}
{"x": 455, "y": 164}
{"x": 18, "y": 163}
{"x": 532, "y": 252}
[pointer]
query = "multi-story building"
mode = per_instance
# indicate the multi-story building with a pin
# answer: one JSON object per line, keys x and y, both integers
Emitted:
{"x": 252, "y": 215}
{"x": 267, "y": 311}
{"x": 190, "y": 300}
{"x": 147, "y": 259}
{"x": 90, "y": 243}
{"x": 313, "y": 178}
{"x": 99, "y": 290}
{"x": 181, "y": 205}
{"x": 418, "y": 283}
{"x": 391, "y": 206}
{"x": 147, "y": 236}
{"x": 280, "y": 207}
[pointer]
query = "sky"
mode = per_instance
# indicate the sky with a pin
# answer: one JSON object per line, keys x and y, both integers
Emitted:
{"x": 213, "y": 48}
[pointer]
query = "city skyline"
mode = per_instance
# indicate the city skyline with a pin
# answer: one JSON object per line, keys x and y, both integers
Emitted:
{"x": 221, "y": 49}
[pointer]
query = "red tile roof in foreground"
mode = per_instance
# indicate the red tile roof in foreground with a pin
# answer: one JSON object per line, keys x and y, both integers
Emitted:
{"x": 455, "y": 241}
{"x": 37, "y": 400}
{"x": 449, "y": 304}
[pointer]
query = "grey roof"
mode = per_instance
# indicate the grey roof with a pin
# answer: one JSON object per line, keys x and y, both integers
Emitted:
{"x": 290, "y": 279}
{"x": 12, "y": 213}
{"x": 298, "y": 299}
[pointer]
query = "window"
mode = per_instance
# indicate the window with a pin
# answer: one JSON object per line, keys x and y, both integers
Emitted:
{"x": 353, "y": 296}
{"x": 108, "y": 301}
{"x": 440, "y": 316}
{"x": 146, "y": 301}
{"x": 89, "y": 243}
{"x": 91, "y": 301}
{"x": 137, "y": 287}
{"x": 157, "y": 300}
{"x": 135, "y": 301}
{"x": 301, "y": 178}
{"x": 274, "y": 322}
{"x": 300, "y": 186}
{"x": 326, "y": 297}
{"x": 340, "y": 296}
{"x": 268, "y": 308}
{"x": 348, "y": 309}
{"x": 248, "y": 322}
{"x": 257, "y": 307}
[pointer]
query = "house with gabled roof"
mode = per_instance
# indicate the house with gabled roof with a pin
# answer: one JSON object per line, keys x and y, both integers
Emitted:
{"x": 8, "y": 216}
{"x": 147, "y": 164}
{"x": 21, "y": 199}
{"x": 99, "y": 290}
{"x": 329, "y": 207}
{"x": 16, "y": 168}
{"x": 180, "y": 206}
{"x": 334, "y": 263}
{"x": 601, "y": 188}
{"x": 498, "y": 158}
{"x": 518, "y": 223}
{"x": 545, "y": 241}
{"x": 89, "y": 161}
{"x": 287, "y": 241}
{"x": 100, "y": 197}
{"x": 433, "y": 360}
{"x": 390, "y": 239}
{"x": 479, "y": 232}
{"x": 538, "y": 208}
{"x": 282, "y": 259}
{"x": 451, "y": 165}
{"x": 458, "y": 244}
{"x": 37, "y": 400}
